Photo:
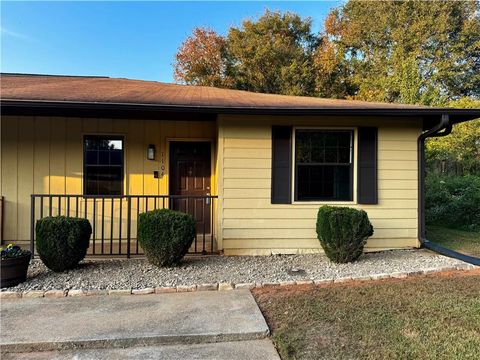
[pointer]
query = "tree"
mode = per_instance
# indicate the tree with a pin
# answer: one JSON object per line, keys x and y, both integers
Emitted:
{"x": 401, "y": 51}
{"x": 459, "y": 152}
{"x": 273, "y": 54}
{"x": 202, "y": 60}
{"x": 270, "y": 55}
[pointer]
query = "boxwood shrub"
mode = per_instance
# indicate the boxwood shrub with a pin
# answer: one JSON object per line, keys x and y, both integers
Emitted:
{"x": 343, "y": 232}
{"x": 165, "y": 235}
{"x": 62, "y": 242}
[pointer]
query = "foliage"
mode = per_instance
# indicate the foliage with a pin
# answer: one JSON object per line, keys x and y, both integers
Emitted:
{"x": 273, "y": 54}
{"x": 413, "y": 52}
{"x": 12, "y": 251}
{"x": 270, "y": 55}
{"x": 401, "y": 51}
{"x": 453, "y": 201}
{"x": 201, "y": 59}
{"x": 165, "y": 235}
{"x": 459, "y": 152}
{"x": 343, "y": 232}
{"x": 62, "y": 242}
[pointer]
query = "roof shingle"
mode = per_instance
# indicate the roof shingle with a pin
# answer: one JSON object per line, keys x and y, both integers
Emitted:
{"x": 85, "y": 89}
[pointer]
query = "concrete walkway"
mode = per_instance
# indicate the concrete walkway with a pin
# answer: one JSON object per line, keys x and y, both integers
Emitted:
{"x": 140, "y": 323}
{"x": 238, "y": 350}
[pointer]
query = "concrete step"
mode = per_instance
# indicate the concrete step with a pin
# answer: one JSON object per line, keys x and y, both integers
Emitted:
{"x": 102, "y": 322}
{"x": 238, "y": 350}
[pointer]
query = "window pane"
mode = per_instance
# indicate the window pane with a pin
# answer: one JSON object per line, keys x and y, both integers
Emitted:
{"x": 324, "y": 182}
{"x": 324, "y": 164}
{"x": 91, "y": 157}
{"x": 323, "y": 146}
{"x": 116, "y": 157}
{"x": 331, "y": 155}
{"x": 103, "y": 180}
{"x": 103, "y": 166}
{"x": 103, "y": 157}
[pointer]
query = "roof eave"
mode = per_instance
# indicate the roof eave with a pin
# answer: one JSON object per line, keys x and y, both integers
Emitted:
{"x": 99, "y": 109}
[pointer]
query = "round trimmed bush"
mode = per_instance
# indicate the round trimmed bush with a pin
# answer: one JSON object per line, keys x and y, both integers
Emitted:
{"x": 165, "y": 235}
{"x": 62, "y": 242}
{"x": 343, "y": 232}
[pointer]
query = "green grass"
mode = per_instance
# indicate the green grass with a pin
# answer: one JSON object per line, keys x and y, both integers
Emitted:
{"x": 419, "y": 318}
{"x": 458, "y": 240}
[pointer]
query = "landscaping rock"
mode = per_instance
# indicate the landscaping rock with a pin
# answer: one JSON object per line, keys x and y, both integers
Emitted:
{"x": 244, "y": 286}
{"x": 207, "y": 287}
{"x": 165, "y": 289}
{"x": 97, "y": 292}
{"x": 55, "y": 293}
{"x": 97, "y": 277}
{"x": 10, "y": 295}
{"x": 225, "y": 286}
{"x": 143, "y": 291}
{"x": 75, "y": 293}
{"x": 186, "y": 288}
{"x": 33, "y": 294}
{"x": 120, "y": 292}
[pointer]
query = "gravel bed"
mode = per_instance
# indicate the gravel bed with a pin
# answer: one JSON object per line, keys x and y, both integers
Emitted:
{"x": 138, "y": 273}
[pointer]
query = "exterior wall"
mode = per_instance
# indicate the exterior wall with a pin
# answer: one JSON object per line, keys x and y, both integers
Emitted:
{"x": 44, "y": 155}
{"x": 252, "y": 225}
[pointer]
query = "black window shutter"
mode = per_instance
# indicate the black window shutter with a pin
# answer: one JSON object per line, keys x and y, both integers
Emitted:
{"x": 281, "y": 164}
{"x": 367, "y": 186}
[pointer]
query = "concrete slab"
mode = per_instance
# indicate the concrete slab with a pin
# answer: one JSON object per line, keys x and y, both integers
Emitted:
{"x": 42, "y": 324}
{"x": 238, "y": 350}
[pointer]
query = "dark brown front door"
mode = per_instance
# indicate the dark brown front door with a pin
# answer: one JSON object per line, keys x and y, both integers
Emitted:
{"x": 190, "y": 170}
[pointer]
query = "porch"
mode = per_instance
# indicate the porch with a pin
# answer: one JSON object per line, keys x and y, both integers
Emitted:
{"x": 114, "y": 219}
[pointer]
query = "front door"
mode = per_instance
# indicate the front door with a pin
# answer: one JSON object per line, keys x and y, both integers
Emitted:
{"x": 190, "y": 170}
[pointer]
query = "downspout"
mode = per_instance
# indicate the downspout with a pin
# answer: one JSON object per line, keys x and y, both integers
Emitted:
{"x": 443, "y": 128}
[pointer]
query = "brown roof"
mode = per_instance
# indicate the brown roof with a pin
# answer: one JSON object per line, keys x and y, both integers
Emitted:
{"x": 58, "y": 94}
{"x": 126, "y": 91}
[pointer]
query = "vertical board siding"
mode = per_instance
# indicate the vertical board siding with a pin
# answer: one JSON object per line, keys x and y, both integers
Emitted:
{"x": 253, "y": 225}
{"x": 44, "y": 155}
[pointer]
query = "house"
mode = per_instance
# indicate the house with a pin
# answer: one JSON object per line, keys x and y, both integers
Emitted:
{"x": 252, "y": 168}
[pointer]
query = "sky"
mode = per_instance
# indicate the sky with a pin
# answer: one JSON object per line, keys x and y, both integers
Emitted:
{"x": 136, "y": 40}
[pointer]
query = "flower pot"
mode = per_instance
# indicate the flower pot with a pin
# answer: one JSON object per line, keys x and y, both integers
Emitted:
{"x": 14, "y": 270}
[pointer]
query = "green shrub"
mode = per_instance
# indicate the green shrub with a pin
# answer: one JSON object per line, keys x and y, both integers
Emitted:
{"x": 62, "y": 242}
{"x": 453, "y": 201}
{"x": 343, "y": 232}
{"x": 165, "y": 235}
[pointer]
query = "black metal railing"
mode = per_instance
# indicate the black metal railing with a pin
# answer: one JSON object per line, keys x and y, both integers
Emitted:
{"x": 114, "y": 218}
{"x": 1, "y": 218}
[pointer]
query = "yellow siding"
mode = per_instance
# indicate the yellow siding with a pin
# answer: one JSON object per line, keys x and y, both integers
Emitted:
{"x": 45, "y": 156}
{"x": 252, "y": 225}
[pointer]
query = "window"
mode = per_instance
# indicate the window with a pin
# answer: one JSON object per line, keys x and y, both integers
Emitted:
{"x": 103, "y": 165}
{"x": 323, "y": 165}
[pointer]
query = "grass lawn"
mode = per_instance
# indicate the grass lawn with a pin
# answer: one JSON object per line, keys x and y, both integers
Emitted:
{"x": 458, "y": 240}
{"x": 434, "y": 317}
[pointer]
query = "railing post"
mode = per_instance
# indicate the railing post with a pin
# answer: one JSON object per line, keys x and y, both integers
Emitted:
{"x": 129, "y": 224}
{"x": 32, "y": 225}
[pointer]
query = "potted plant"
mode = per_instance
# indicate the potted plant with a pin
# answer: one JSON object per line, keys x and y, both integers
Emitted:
{"x": 13, "y": 265}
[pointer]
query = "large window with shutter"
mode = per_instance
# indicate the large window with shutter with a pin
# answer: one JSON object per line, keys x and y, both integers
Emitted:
{"x": 103, "y": 165}
{"x": 323, "y": 164}
{"x": 317, "y": 164}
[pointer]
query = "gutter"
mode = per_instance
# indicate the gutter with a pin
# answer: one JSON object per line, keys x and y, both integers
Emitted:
{"x": 25, "y": 107}
{"x": 443, "y": 128}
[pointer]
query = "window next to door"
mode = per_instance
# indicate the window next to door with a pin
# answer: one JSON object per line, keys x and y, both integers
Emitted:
{"x": 103, "y": 165}
{"x": 323, "y": 165}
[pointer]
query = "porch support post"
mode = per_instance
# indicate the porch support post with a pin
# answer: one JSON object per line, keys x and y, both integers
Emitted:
{"x": 129, "y": 224}
{"x": 32, "y": 225}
